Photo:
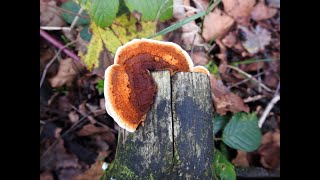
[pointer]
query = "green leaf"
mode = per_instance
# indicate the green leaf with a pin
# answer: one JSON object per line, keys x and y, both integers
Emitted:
{"x": 152, "y": 9}
{"x": 212, "y": 68}
{"x": 185, "y": 21}
{"x": 219, "y": 122}
{"x": 85, "y": 34}
{"x": 72, "y": 10}
{"x": 224, "y": 150}
{"x": 100, "y": 86}
{"x": 103, "y": 12}
{"x": 223, "y": 169}
{"x": 242, "y": 132}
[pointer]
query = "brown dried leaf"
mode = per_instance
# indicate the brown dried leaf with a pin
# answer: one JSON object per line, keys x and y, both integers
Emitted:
{"x": 66, "y": 74}
{"x": 255, "y": 40}
{"x": 216, "y": 24}
{"x": 47, "y": 175}
{"x": 200, "y": 58}
{"x": 262, "y": 12}
{"x": 224, "y": 100}
{"x": 270, "y": 150}
{"x": 49, "y": 14}
{"x": 202, "y": 5}
{"x": 73, "y": 116}
{"x": 239, "y": 9}
{"x": 90, "y": 129}
{"x": 230, "y": 39}
{"x": 241, "y": 160}
{"x": 95, "y": 172}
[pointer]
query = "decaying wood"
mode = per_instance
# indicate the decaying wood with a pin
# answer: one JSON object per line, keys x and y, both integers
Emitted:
{"x": 176, "y": 141}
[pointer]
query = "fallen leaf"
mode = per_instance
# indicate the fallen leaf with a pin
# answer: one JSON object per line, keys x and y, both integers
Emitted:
{"x": 241, "y": 159}
{"x": 256, "y": 40}
{"x": 67, "y": 72}
{"x": 270, "y": 150}
{"x": 91, "y": 129}
{"x": 224, "y": 100}
{"x": 49, "y": 14}
{"x": 202, "y": 5}
{"x": 230, "y": 39}
{"x": 73, "y": 116}
{"x": 274, "y": 3}
{"x": 47, "y": 175}
{"x": 216, "y": 24}
{"x": 199, "y": 58}
{"x": 262, "y": 12}
{"x": 95, "y": 171}
{"x": 239, "y": 9}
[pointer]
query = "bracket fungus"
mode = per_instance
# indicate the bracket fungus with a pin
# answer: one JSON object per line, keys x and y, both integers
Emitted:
{"x": 129, "y": 88}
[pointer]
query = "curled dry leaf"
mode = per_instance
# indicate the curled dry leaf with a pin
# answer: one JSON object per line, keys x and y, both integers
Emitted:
{"x": 47, "y": 175}
{"x": 49, "y": 14}
{"x": 262, "y": 12}
{"x": 270, "y": 150}
{"x": 224, "y": 100}
{"x": 67, "y": 72}
{"x": 241, "y": 160}
{"x": 216, "y": 24}
{"x": 91, "y": 129}
{"x": 199, "y": 58}
{"x": 255, "y": 40}
{"x": 239, "y": 9}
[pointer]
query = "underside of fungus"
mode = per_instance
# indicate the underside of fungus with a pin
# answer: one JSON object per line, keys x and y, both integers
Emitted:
{"x": 129, "y": 88}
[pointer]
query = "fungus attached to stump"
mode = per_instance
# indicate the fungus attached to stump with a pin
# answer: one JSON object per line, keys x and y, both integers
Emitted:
{"x": 129, "y": 88}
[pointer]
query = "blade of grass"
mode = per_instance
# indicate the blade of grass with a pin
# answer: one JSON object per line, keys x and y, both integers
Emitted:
{"x": 185, "y": 21}
{"x": 249, "y": 61}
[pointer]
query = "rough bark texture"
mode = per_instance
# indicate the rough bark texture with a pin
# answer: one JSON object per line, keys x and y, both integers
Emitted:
{"x": 176, "y": 141}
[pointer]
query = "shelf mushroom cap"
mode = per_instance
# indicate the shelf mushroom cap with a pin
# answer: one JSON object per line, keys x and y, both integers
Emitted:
{"x": 129, "y": 88}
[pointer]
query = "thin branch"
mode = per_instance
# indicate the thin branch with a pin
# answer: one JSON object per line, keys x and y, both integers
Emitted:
{"x": 75, "y": 20}
{"x": 59, "y": 45}
{"x": 254, "y": 98}
{"x": 51, "y": 62}
{"x": 245, "y": 80}
{"x": 274, "y": 100}
{"x": 54, "y": 28}
{"x": 251, "y": 77}
{"x": 192, "y": 46}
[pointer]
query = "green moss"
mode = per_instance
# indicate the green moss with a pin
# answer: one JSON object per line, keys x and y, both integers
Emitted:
{"x": 119, "y": 171}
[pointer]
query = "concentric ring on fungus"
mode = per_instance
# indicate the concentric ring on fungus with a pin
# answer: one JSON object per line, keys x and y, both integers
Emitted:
{"x": 129, "y": 89}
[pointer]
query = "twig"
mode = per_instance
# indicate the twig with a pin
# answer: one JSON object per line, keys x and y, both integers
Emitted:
{"x": 51, "y": 62}
{"x": 59, "y": 45}
{"x": 251, "y": 77}
{"x": 52, "y": 28}
{"x": 75, "y": 20}
{"x": 254, "y": 98}
{"x": 245, "y": 80}
{"x": 274, "y": 100}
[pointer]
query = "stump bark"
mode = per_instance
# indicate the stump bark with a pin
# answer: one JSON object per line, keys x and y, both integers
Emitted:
{"x": 176, "y": 141}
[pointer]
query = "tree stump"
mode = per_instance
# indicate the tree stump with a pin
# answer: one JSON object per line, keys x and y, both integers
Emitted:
{"x": 176, "y": 141}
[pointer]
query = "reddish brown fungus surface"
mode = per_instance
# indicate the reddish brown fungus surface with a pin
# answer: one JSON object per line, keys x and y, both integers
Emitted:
{"x": 129, "y": 87}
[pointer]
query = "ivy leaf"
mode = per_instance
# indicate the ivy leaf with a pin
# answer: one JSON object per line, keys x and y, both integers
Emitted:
{"x": 103, "y": 12}
{"x": 73, "y": 9}
{"x": 223, "y": 169}
{"x": 151, "y": 9}
{"x": 219, "y": 122}
{"x": 242, "y": 132}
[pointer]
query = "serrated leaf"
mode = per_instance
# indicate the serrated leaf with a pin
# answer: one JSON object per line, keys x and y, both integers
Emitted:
{"x": 242, "y": 132}
{"x": 103, "y": 12}
{"x": 91, "y": 58}
{"x": 151, "y": 9}
{"x": 219, "y": 122}
{"x": 223, "y": 169}
{"x": 72, "y": 10}
{"x": 123, "y": 30}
